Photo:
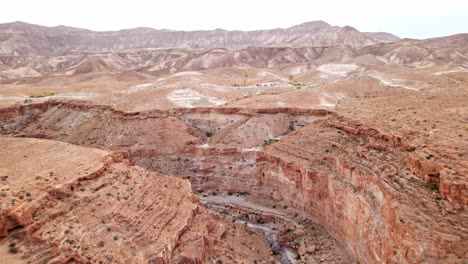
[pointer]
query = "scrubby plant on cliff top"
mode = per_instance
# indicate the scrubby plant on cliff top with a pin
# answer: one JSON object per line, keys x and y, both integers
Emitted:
{"x": 12, "y": 249}
{"x": 47, "y": 94}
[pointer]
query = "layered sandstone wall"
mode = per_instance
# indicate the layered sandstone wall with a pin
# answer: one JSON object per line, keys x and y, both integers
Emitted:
{"x": 93, "y": 207}
{"x": 361, "y": 190}
{"x": 373, "y": 191}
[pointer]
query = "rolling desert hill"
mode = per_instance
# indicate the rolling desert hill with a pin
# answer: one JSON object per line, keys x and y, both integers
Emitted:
{"x": 35, "y": 51}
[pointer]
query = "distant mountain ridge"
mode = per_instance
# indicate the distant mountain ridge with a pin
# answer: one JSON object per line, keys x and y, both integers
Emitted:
{"x": 19, "y": 38}
{"x": 32, "y": 51}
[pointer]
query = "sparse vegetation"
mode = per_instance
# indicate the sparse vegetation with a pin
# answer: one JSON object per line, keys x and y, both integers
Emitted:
{"x": 432, "y": 186}
{"x": 296, "y": 84}
{"x": 246, "y": 76}
{"x": 269, "y": 142}
{"x": 46, "y": 94}
{"x": 12, "y": 249}
{"x": 351, "y": 156}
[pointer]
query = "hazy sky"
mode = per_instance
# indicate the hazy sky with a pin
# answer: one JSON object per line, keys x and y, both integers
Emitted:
{"x": 405, "y": 18}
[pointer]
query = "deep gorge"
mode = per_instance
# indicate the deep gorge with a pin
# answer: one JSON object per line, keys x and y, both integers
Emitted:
{"x": 356, "y": 182}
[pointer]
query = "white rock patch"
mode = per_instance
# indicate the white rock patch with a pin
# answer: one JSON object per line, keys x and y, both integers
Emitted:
{"x": 188, "y": 73}
{"x": 140, "y": 88}
{"x": 189, "y": 98}
{"x": 341, "y": 70}
{"x": 20, "y": 72}
{"x": 75, "y": 95}
{"x": 331, "y": 99}
{"x": 447, "y": 72}
{"x": 387, "y": 81}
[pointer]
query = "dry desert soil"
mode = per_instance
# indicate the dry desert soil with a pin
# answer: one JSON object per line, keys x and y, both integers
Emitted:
{"x": 311, "y": 144}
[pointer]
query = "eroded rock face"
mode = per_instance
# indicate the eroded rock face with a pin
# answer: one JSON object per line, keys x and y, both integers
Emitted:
{"x": 371, "y": 190}
{"x": 358, "y": 186}
{"x": 93, "y": 207}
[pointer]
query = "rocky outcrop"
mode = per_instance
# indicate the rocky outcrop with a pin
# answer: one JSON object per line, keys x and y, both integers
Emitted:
{"x": 361, "y": 190}
{"x": 372, "y": 190}
{"x": 94, "y": 207}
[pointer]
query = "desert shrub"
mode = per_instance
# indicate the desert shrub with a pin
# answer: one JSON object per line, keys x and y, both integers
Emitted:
{"x": 47, "y": 94}
{"x": 432, "y": 186}
{"x": 12, "y": 249}
{"x": 269, "y": 142}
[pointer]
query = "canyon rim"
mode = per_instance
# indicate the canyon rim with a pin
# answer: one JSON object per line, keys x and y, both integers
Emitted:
{"x": 308, "y": 144}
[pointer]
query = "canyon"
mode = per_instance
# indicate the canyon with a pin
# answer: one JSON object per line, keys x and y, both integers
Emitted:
{"x": 63, "y": 212}
{"x": 297, "y": 150}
